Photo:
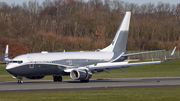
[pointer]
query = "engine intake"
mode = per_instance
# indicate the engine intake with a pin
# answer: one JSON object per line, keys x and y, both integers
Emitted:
{"x": 80, "y": 74}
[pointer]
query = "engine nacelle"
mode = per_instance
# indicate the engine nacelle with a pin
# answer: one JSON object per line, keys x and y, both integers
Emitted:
{"x": 80, "y": 74}
{"x": 34, "y": 77}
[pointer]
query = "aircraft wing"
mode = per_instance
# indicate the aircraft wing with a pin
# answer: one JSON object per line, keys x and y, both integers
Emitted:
{"x": 106, "y": 66}
{"x": 130, "y": 54}
{"x": 119, "y": 64}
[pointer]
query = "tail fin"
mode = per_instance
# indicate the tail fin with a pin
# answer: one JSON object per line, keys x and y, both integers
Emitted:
{"x": 120, "y": 40}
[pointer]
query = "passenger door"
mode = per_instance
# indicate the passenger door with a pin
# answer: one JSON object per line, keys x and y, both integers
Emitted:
{"x": 31, "y": 64}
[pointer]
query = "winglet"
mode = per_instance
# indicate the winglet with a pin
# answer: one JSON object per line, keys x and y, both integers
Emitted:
{"x": 172, "y": 53}
{"x": 170, "y": 57}
{"x": 6, "y": 55}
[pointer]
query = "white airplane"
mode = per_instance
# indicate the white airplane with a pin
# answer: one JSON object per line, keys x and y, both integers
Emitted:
{"x": 79, "y": 65}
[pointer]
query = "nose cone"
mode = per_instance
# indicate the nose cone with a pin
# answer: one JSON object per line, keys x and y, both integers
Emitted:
{"x": 10, "y": 67}
{"x": 18, "y": 69}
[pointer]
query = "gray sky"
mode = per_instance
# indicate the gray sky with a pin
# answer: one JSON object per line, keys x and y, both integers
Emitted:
{"x": 130, "y": 1}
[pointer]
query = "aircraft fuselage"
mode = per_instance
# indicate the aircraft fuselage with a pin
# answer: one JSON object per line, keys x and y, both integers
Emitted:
{"x": 41, "y": 64}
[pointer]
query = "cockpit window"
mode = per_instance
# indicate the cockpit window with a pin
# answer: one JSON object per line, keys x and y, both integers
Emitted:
{"x": 20, "y": 61}
{"x": 16, "y": 62}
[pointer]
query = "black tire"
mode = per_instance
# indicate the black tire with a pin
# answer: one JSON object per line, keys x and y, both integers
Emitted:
{"x": 85, "y": 81}
{"x": 57, "y": 78}
{"x": 20, "y": 81}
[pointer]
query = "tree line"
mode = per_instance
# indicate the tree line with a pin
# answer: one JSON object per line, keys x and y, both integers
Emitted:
{"x": 75, "y": 25}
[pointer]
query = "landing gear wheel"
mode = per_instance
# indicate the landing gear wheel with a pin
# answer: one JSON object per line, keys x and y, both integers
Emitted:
{"x": 60, "y": 78}
{"x": 84, "y": 80}
{"x": 57, "y": 78}
{"x": 20, "y": 81}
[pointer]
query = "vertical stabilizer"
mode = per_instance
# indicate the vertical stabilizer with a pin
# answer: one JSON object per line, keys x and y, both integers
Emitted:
{"x": 120, "y": 40}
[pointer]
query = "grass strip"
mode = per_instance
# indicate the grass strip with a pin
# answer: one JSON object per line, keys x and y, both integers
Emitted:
{"x": 120, "y": 94}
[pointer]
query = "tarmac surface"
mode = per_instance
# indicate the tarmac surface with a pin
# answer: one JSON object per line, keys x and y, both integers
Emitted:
{"x": 7, "y": 86}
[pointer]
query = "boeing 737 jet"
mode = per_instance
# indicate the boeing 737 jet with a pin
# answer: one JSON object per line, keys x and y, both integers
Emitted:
{"x": 77, "y": 65}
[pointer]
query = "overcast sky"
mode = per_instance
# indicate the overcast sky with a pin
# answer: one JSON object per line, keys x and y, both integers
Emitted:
{"x": 130, "y": 1}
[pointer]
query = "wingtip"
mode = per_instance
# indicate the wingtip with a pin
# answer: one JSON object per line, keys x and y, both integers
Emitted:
{"x": 172, "y": 53}
{"x": 174, "y": 48}
{"x": 128, "y": 11}
{"x": 6, "y": 49}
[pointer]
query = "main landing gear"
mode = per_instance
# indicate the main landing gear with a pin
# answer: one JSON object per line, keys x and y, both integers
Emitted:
{"x": 84, "y": 81}
{"x": 57, "y": 78}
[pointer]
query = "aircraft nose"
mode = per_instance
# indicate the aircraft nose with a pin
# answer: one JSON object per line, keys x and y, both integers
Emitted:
{"x": 10, "y": 71}
{"x": 9, "y": 68}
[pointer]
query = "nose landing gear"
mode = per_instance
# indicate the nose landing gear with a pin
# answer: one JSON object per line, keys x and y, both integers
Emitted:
{"x": 20, "y": 81}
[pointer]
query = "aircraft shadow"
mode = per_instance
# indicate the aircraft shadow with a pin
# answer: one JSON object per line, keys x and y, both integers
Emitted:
{"x": 108, "y": 80}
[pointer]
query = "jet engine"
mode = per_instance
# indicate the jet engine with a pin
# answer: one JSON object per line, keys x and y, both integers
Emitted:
{"x": 80, "y": 74}
{"x": 34, "y": 77}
